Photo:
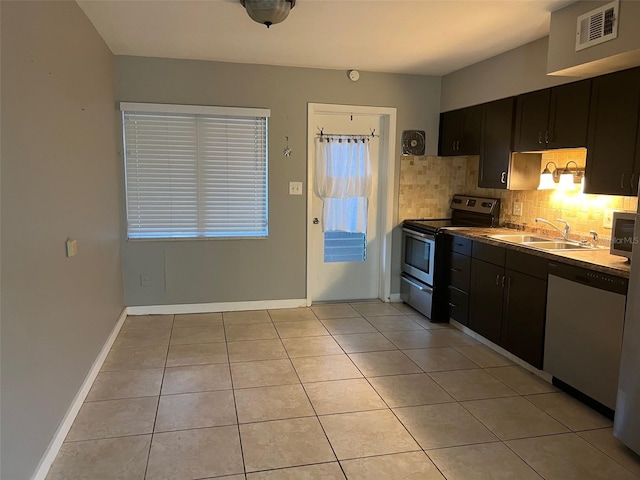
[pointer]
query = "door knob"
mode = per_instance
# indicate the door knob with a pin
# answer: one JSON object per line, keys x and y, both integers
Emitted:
{"x": 316, "y": 221}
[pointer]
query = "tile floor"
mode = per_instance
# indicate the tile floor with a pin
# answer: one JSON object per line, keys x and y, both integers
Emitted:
{"x": 355, "y": 391}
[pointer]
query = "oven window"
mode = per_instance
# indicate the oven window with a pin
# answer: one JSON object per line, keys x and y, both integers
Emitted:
{"x": 417, "y": 254}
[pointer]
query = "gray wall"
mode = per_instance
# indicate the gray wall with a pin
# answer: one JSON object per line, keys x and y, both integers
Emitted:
{"x": 205, "y": 271}
{"x": 59, "y": 178}
{"x": 523, "y": 69}
{"x": 617, "y": 54}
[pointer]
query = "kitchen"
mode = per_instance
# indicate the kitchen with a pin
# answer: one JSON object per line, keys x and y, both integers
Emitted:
{"x": 49, "y": 368}
{"x": 568, "y": 348}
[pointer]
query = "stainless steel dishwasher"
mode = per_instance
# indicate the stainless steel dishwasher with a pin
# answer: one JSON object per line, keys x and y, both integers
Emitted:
{"x": 583, "y": 333}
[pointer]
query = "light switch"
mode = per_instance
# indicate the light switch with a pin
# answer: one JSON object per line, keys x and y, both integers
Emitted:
{"x": 72, "y": 247}
{"x": 295, "y": 188}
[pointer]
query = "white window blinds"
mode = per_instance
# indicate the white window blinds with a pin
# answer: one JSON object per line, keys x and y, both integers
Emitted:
{"x": 195, "y": 171}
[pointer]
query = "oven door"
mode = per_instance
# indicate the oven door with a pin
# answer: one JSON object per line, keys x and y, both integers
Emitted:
{"x": 418, "y": 255}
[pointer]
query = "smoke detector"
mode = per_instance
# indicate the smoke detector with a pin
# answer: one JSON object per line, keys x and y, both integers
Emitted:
{"x": 597, "y": 26}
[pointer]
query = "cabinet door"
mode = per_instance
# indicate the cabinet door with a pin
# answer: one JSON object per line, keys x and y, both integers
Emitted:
{"x": 495, "y": 149}
{"x": 532, "y": 115}
{"x": 613, "y": 127}
{"x": 524, "y": 317}
{"x": 471, "y": 128}
{"x": 569, "y": 115}
{"x": 451, "y": 127}
{"x": 485, "y": 311}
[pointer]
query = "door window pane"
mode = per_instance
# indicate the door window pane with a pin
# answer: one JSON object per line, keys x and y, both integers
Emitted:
{"x": 345, "y": 247}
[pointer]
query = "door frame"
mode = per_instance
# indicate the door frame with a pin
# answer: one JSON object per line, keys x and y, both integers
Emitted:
{"x": 387, "y": 190}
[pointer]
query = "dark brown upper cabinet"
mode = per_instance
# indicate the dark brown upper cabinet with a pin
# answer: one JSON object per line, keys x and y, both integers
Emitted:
{"x": 495, "y": 146}
{"x": 460, "y": 132}
{"x": 553, "y": 118}
{"x": 613, "y": 144}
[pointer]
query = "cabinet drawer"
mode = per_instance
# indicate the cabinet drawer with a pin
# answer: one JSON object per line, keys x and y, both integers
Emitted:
{"x": 459, "y": 271}
{"x": 459, "y": 305}
{"x": 459, "y": 244}
{"x": 527, "y": 263}
{"x": 489, "y": 253}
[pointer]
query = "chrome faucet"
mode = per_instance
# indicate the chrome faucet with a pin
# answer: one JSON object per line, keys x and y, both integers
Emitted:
{"x": 564, "y": 231}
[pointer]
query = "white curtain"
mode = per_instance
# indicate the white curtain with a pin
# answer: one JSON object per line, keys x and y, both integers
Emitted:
{"x": 343, "y": 182}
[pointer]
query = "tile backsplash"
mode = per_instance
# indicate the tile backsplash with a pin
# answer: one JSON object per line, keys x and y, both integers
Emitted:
{"x": 428, "y": 183}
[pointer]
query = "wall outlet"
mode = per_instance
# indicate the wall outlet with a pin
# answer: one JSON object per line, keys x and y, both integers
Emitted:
{"x": 517, "y": 208}
{"x": 71, "y": 247}
{"x": 295, "y": 188}
{"x": 145, "y": 280}
{"x": 607, "y": 221}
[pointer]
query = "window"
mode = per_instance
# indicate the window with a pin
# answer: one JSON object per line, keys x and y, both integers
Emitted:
{"x": 195, "y": 172}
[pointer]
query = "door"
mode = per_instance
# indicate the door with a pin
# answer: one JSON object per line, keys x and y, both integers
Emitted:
{"x": 451, "y": 126}
{"x": 495, "y": 151}
{"x": 613, "y": 126}
{"x": 418, "y": 255}
{"x": 532, "y": 114}
{"x": 346, "y": 266}
{"x": 487, "y": 296}
{"x": 569, "y": 115}
{"x": 524, "y": 317}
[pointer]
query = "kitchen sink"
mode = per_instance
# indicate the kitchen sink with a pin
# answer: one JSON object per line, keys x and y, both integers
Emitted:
{"x": 542, "y": 243}
{"x": 524, "y": 238}
{"x": 559, "y": 245}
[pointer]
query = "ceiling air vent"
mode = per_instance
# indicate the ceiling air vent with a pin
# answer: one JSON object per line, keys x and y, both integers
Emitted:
{"x": 597, "y": 26}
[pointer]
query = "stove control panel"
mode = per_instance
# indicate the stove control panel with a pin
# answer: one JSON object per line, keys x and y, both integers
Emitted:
{"x": 474, "y": 204}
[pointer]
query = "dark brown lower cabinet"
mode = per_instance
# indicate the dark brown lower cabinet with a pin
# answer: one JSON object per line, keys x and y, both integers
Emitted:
{"x": 508, "y": 307}
{"x": 487, "y": 298}
{"x": 523, "y": 318}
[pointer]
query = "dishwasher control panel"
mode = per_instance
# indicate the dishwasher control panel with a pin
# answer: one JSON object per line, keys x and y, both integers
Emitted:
{"x": 592, "y": 278}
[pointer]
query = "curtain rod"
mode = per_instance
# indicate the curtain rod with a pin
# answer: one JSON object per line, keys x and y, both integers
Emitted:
{"x": 350, "y": 136}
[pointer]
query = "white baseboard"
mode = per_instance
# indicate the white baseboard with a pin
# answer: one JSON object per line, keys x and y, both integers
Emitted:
{"x": 395, "y": 297}
{"x": 216, "y": 307}
{"x": 497, "y": 348}
{"x": 54, "y": 447}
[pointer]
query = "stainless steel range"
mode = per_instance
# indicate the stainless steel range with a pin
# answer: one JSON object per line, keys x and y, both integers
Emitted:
{"x": 423, "y": 282}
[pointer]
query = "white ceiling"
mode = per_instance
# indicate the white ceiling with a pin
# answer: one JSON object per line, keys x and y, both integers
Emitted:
{"x": 424, "y": 37}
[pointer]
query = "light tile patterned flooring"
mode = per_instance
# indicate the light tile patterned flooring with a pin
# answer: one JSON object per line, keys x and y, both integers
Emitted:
{"x": 362, "y": 391}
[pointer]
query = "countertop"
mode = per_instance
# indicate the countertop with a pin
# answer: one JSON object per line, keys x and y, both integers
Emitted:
{"x": 599, "y": 260}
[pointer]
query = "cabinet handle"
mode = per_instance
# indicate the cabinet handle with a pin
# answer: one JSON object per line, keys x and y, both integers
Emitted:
{"x": 503, "y": 278}
{"x": 497, "y": 280}
{"x": 540, "y": 137}
{"x": 453, "y": 305}
{"x": 546, "y": 137}
{"x": 622, "y": 180}
{"x": 503, "y": 177}
{"x": 455, "y": 269}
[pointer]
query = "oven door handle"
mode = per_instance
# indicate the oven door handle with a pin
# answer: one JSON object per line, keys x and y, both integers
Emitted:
{"x": 416, "y": 285}
{"x": 417, "y": 234}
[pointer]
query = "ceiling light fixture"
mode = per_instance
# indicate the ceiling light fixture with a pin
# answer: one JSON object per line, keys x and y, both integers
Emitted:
{"x": 268, "y": 12}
